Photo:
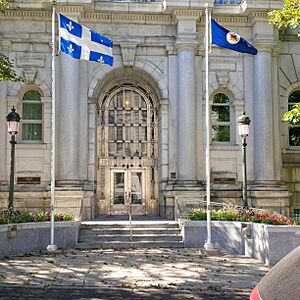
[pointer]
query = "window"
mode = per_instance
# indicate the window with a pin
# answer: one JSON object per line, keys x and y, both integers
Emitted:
{"x": 31, "y": 116}
{"x": 294, "y": 132}
{"x": 128, "y": 126}
{"x": 220, "y": 118}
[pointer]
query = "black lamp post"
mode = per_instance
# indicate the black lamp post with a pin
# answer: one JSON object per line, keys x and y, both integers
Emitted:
{"x": 13, "y": 122}
{"x": 243, "y": 128}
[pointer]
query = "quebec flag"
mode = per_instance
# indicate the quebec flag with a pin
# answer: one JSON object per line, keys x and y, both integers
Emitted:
{"x": 81, "y": 42}
{"x": 227, "y": 39}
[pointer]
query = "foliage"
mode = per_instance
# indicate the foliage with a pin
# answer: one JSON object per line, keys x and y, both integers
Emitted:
{"x": 3, "y": 5}
{"x": 6, "y": 71}
{"x": 8, "y": 217}
{"x": 288, "y": 16}
{"x": 248, "y": 214}
{"x": 293, "y": 116}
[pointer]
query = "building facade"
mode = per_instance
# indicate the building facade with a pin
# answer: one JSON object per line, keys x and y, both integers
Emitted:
{"x": 136, "y": 132}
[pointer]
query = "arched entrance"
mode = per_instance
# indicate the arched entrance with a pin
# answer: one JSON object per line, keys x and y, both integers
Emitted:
{"x": 127, "y": 151}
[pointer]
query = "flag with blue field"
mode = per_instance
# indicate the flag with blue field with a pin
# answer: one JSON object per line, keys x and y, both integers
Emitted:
{"x": 224, "y": 38}
{"x": 81, "y": 42}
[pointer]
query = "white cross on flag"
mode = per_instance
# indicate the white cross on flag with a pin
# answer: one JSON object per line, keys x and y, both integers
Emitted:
{"x": 81, "y": 42}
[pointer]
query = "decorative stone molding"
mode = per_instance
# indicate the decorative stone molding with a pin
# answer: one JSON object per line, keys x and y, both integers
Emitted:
{"x": 228, "y": 20}
{"x": 223, "y": 78}
{"x": 30, "y": 75}
{"x": 191, "y": 14}
{"x": 128, "y": 53}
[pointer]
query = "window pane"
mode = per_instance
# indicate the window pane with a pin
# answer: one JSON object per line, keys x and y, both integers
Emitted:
{"x": 294, "y": 97}
{"x": 32, "y": 96}
{"x": 221, "y": 98}
{"x": 111, "y": 117}
{"x": 32, "y": 132}
{"x": 119, "y": 133}
{"x": 220, "y": 133}
{"x": 119, "y": 188}
{"x": 32, "y": 111}
{"x": 221, "y": 113}
{"x": 294, "y": 136}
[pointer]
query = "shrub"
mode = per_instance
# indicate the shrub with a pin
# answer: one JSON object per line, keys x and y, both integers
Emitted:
{"x": 8, "y": 217}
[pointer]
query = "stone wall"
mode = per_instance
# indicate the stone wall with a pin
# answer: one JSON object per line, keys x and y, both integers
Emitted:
{"x": 268, "y": 243}
{"x": 22, "y": 238}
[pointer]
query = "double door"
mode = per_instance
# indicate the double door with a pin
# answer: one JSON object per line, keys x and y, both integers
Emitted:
{"x": 128, "y": 191}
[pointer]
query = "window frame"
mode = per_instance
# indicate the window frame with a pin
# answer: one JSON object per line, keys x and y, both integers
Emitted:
{"x": 32, "y": 121}
{"x": 289, "y": 107}
{"x": 222, "y": 123}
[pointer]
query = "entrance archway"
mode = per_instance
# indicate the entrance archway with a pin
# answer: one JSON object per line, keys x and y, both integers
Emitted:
{"x": 127, "y": 154}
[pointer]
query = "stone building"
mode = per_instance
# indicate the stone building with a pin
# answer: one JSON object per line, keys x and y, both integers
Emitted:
{"x": 136, "y": 131}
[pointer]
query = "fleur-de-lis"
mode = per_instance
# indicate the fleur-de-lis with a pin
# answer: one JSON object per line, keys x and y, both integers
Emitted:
{"x": 101, "y": 59}
{"x": 70, "y": 26}
{"x": 71, "y": 49}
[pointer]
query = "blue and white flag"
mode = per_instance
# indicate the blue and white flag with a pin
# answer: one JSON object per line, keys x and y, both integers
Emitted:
{"x": 81, "y": 42}
{"x": 222, "y": 37}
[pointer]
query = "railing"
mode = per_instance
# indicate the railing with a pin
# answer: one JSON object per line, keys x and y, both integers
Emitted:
{"x": 227, "y": 2}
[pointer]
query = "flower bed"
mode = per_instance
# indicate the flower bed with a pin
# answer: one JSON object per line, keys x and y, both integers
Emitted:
{"x": 9, "y": 217}
{"x": 249, "y": 214}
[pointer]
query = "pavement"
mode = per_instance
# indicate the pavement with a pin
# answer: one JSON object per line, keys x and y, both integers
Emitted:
{"x": 129, "y": 274}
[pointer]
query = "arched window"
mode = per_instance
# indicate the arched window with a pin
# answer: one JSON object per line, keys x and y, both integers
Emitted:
{"x": 220, "y": 119}
{"x": 32, "y": 116}
{"x": 294, "y": 132}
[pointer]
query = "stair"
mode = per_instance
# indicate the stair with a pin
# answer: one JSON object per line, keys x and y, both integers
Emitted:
{"x": 145, "y": 234}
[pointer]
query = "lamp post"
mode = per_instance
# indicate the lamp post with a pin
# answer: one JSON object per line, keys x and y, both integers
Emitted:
{"x": 13, "y": 122}
{"x": 243, "y": 128}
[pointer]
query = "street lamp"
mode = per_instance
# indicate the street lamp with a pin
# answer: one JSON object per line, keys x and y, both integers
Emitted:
{"x": 243, "y": 128}
{"x": 13, "y": 122}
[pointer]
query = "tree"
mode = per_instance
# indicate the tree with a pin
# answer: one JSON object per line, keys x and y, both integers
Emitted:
{"x": 288, "y": 17}
{"x": 6, "y": 71}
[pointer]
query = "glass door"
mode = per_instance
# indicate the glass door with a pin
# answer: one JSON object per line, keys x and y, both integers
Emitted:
{"x": 128, "y": 192}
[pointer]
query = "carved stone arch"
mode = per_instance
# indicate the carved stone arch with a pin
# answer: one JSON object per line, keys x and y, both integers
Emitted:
{"x": 105, "y": 76}
{"x": 231, "y": 91}
{"x": 19, "y": 88}
{"x": 289, "y": 90}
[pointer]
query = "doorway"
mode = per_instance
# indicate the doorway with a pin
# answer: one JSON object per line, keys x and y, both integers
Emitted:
{"x": 127, "y": 152}
{"x": 128, "y": 191}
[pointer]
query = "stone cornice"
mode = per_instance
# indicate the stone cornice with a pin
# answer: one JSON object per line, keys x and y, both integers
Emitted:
{"x": 104, "y": 17}
{"x": 228, "y": 20}
{"x": 255, "y": 16}
{"x": 190, "y": 14}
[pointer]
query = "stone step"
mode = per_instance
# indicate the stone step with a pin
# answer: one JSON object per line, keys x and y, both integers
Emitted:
{"x": 126, "y": 237}
{"x": 122, "y": 245}
{"x": 126, "y": 225}
{"x": 124, "y": 231}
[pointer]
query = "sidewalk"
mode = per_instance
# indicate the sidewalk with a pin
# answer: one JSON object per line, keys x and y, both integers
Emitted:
{"x": 128, "y": 274}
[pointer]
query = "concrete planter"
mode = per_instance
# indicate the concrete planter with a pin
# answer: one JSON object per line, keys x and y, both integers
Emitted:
{"x": 268, "y": 243}
{"x": 26, "y": 237}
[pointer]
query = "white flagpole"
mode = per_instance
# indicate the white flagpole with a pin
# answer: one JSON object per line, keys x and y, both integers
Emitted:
{"x": 208, "y": 245}
{"x": 52, "y": 247}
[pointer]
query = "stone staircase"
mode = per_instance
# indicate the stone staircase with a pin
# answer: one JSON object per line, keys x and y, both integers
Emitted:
{"x": 145, "y": 234}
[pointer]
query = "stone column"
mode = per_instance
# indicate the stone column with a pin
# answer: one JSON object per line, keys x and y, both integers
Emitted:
{"x": 186, "y": 45}
{"x": 68, "y": 117}
{"x": 186, "y": 154}
{"x": 263, "y": 116}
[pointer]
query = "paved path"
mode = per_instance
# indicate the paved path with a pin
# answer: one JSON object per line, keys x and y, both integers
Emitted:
{"x": 128, "y": 274}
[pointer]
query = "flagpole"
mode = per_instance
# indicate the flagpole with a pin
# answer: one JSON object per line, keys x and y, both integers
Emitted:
{"x": 208, "y": 245}
{"x": 52, "y": 247}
